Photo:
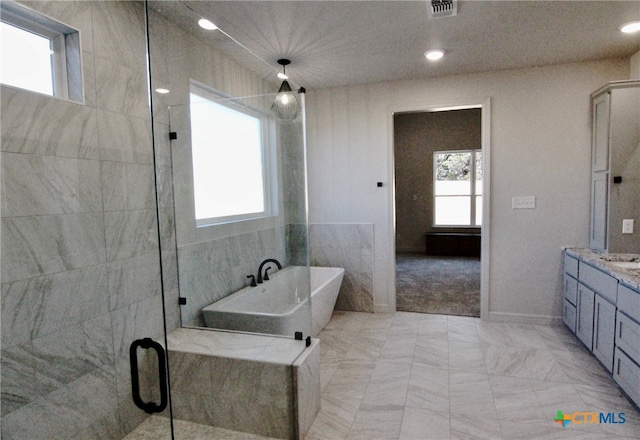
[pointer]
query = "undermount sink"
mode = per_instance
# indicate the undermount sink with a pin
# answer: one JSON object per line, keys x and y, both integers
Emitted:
{"x": 627, "y": 264}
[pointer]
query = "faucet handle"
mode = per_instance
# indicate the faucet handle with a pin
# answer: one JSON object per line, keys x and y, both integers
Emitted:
{"x": 253, "y": 280}
{"x": 266, "y": 274}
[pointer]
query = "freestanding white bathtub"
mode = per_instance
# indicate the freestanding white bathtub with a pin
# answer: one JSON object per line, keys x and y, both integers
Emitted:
{"x": 279, "y": 306}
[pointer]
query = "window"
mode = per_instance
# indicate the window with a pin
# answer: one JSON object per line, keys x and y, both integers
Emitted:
{"x": 458, "y": 188}
{"x": 231, "y": 160}
{"x": 39, "y": 54}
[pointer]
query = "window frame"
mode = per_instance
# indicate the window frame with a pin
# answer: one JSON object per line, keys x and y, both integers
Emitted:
{"x": 66, "y": 64}
{"x": 268, "y": 152}
{"x": 473, "y": 195}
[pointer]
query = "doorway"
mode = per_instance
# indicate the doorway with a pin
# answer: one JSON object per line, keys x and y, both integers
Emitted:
{"x": 439, "y": 157}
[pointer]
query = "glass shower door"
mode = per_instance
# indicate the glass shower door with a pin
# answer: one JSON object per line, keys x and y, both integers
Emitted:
{"x": 80, "y": 256}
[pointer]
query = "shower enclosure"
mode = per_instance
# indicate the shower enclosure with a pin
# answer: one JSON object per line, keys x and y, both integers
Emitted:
{"x": 231, "y": 174}
{"x": 104, "y": 257}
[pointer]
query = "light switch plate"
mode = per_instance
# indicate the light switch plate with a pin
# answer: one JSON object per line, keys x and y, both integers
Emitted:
{"x": 523, "y": 202}
{"x": 627, "y": 226}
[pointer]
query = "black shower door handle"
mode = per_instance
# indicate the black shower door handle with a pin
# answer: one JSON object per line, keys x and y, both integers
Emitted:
{"x": 149, "y": 407}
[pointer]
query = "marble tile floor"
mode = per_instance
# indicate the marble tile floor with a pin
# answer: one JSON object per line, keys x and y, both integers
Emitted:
{"x": 417, "y": 376}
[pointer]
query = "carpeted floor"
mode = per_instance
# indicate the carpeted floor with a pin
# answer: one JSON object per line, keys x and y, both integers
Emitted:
{"x": 441, "y": 285}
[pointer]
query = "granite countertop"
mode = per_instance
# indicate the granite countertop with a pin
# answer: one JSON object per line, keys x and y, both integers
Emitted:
{"x": 606, "y": 263}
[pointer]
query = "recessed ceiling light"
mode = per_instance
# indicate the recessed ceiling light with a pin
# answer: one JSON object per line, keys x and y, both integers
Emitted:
{"x": 631, "y": 27}
{"x": 434, "y": 55}
{"x": 206, "y": 24}
{"x": 162, "y": 91}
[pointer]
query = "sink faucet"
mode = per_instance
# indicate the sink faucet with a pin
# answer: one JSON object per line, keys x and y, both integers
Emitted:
{"x": 266, "y": 276}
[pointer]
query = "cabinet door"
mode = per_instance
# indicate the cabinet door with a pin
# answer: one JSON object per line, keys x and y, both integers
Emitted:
{"x": 627, "y": 375}
{"x": 600, "y": 133}
{"x": 569, "y": 315}
{"x": 604, "y": 330}
{"x": 584, "y": 320}
{"x": 570, "y": 289}
{"x": 599, "y": 210}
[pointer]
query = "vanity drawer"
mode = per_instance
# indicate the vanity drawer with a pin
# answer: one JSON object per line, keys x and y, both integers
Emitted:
{"x": 570, "y": 289}
{"x": 629, "y": 302}
{"x": 569, "y": 315}
{"x": 571, "y": 266}
{"x": 604, "y": 284}
{"x": 627, "y": 374}
{"x": 628, "y": 336}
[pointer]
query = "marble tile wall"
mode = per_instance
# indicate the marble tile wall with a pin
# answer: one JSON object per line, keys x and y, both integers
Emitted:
{"x": 349, "y": 246}
{"x": 80, "y": 254}
{"x": 212, "y": 270}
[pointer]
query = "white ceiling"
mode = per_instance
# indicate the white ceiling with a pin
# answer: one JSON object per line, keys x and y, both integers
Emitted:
{"x": 336, "y": 43}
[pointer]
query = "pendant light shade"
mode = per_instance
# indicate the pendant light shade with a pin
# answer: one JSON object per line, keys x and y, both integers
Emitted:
{"x": 286, "y": 105}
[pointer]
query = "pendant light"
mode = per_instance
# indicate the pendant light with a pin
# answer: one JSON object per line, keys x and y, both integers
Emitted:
{"x": 286, "y": 105}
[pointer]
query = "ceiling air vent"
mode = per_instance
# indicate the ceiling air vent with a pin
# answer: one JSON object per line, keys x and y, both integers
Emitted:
{"x": 442, "y": 8}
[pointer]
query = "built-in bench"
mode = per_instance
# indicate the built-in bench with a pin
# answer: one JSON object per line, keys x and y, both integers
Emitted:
{"x": 269, "y": 386}
{"x": 465, "y": 244}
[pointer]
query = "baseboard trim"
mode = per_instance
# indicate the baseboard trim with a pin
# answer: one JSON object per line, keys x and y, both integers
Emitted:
{"x": 521, "y": 318}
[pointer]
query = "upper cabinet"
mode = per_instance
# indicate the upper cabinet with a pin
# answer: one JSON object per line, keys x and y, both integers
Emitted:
{"x": 615, "y": 166}
{"x": 600, "y": 142}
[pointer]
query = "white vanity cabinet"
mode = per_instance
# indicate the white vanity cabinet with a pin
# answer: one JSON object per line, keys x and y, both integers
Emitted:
{"x": 569, "y": 312}
{"x": 604, "y": 329}
{"x": 626, "y": 367}
{"x": 604, "y": 314}
{"x": 584, "y": 318}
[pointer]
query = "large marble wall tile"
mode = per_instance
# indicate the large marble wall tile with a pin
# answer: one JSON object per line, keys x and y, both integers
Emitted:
{"x": 39, "y": 306}
{"x": 127, "y": 186}
{"x": 190, "y": 373}
{"x": 306, "y": 375}
{"x": 34, "y": 369}
{"x": 71, "y": 353}
{"x": 33, "y": 125}
{"x": 41, "y": 185}
{"x": 33, "y": 246}
{"x": 123, "y": 138}
{"x": 212, "y": 270}
{"x": 235, "y": 394}
{"x": 164, "y": 186}
{"x": 19, "y": 379}
{"x": 130, "y": 233}
{"x": 172, "y": 309}
{"x": 167, "y": 229}
{"x": 349, "y": 246}
{"x": 169, "y": 269}
{"x": 139, "y": 320}
{"x": 72, "y": 411}
{"x": 88, "y": 79}
{"x": 119, "y": 33}
{"x": 134, "y": 279}
{"x": 253, "y": 397}
{"x": 121, "y": 89}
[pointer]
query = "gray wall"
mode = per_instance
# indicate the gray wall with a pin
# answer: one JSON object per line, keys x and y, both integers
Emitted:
{"x": 539, "y": 121}
{"x": 80, "y": 254}
{"x": 416, "y": 137}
